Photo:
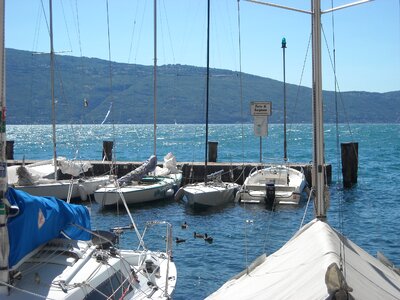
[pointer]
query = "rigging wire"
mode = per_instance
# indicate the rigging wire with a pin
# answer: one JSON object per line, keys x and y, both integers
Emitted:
{"x": 338, "y": 158}
{"x": 66, "y": 27}
{"x": 133, "y": 33}
{"x": 240, "y": 80}
{"x": 111, "y": 87}
{"x": 300, "y": 81}
{"x": 58, "y": 74}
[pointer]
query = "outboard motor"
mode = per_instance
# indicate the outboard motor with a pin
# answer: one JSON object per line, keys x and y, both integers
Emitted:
{"x": 269, "y": 194}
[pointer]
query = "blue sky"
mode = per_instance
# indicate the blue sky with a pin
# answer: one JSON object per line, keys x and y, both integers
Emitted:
{"x": 367, "y": 37}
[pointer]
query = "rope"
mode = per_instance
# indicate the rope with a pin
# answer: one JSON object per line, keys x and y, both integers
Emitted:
{"x": 25, "y": 291}
{"x": 129, "y": 214}
{"x": 307, "y": 205}
{"x": 338, "y": 158}
{"x": 70, "y": 188}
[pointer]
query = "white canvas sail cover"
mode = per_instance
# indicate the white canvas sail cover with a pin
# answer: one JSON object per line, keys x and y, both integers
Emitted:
{"x": 304, "y": 268}
{"x": 141, "y": 171}
{"x": 73, "y": 168}
{"x": 169, "y": 166}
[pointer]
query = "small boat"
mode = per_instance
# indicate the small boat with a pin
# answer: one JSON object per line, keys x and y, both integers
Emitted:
{"x": 38, "y": 179}
{"x": 273, "y": 185}
{"x": 140, "y": 186}
{"x": 213, "y": 191}
{"x": 146, "y": 183}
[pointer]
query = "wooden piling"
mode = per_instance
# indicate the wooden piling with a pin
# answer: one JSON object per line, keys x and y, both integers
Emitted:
{"x": 349, "y": 163}
{"x": 10, "y": 150}
{"x": 107, "y": 150}
{"x": 212, "y": 151}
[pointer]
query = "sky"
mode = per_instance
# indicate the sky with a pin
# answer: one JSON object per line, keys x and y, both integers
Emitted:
{"x": 363, "y": 41}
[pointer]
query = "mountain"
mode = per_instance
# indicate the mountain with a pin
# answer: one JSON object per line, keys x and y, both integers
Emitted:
{"x": 181, "y": 94}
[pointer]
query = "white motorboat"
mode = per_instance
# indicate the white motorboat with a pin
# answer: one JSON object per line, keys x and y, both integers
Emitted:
{"x": 317, "y": 262}
{"x": 278, "y": 184}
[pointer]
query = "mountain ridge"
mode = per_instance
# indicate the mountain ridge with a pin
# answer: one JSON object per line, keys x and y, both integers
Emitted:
{"x": 180, "y": 94}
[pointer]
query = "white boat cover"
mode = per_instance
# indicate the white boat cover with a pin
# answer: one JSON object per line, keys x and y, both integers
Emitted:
{"x": 169, "y": 166}
{"x": 298, "y": 270}
{"x": 33, "y": 174}
{"x": 73, "y": 168}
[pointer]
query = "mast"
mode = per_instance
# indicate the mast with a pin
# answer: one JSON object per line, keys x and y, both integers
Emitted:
{"x": 284, "y": 101}
{"x": 207, "y": 88}
{"x": 155, "y": 81}
{"x": 318, "y": 169}
{"x": 5, "y": 246}
{"x": 318, "y": 174}
{"x": 53, "y": 104}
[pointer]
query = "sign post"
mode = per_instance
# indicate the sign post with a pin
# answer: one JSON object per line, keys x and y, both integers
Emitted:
{"x": 260, "y": 111}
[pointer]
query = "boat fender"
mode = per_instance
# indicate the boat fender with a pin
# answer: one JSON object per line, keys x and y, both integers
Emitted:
{"x": 179, "y": 194}
{"x": 238, "y": 197}
{"x": 269, "y": 193}
{"x": 169, "y": 193}
{"x": 83, "y": 194}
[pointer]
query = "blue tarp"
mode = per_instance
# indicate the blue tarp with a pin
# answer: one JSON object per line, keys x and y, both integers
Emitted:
{"x": 41, "y": 219}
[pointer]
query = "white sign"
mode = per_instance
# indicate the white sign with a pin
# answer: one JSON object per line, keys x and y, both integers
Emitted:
{"x": 260, "y": 126}
{"x": 261, "y": 108}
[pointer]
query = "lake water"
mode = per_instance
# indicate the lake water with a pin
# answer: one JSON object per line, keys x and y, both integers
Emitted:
{"x": 370, "y": 210}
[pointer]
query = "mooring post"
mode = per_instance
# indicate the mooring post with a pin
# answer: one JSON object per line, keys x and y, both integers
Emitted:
{"x": 107, "y": 150}
{"x": 212, "y": 151}
{"x": 10, "y": 150}
{"x": 349, "y": 163}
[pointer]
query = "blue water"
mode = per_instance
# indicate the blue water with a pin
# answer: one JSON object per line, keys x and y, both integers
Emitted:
{"x": 370, "y": 210}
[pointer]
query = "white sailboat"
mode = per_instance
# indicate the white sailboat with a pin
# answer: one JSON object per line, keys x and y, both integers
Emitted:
{"x": 276, "y": 184}
{"x": 38, "y": 179}
{"x": 42, "y": 179}
{"x": 48, "y": 250}
{"x": 213, "y": 191}
{"x": 147, "y": 183}
{"x": 317, "y": 262}
{"x": 54, "y": 254}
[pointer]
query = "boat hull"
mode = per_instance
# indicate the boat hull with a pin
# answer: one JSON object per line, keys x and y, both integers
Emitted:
{"x": 150, "y": 189}
{"x": 66, "y": 189}
{"x": 210, "y": 194}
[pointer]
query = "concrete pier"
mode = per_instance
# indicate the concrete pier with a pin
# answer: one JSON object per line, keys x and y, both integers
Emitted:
{"x": 192, "y": 171}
